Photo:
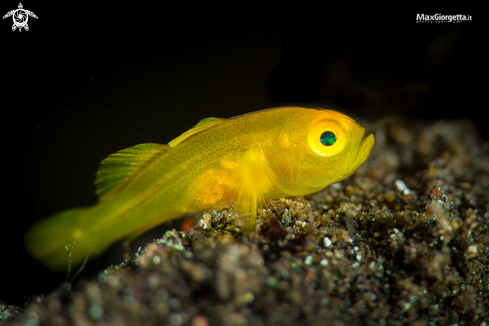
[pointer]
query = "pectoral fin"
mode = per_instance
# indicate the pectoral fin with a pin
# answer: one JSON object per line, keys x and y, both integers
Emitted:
{"x": 255, "y": 179}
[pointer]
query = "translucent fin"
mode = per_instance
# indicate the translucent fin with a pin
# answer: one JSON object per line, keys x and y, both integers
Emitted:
{"x": 119, "y": 167}
{"x": 54, "y": 239}
{"x": 256, "y": 179}
{"x": 201, "y": 126}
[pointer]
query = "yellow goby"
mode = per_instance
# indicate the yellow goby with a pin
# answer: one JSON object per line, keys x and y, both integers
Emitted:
{"x": 249, "y": 159}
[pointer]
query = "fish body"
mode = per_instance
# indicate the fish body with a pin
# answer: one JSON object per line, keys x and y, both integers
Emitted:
{"x": 246, "y": 160}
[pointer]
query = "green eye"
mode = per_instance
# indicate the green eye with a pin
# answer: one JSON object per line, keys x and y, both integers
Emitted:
{"x": 328, "y": 138}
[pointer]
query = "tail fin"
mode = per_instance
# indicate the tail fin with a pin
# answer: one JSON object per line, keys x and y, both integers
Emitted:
{"x": 53, "y": 239}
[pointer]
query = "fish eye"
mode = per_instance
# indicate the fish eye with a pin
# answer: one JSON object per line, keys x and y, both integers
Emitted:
{"x": 328, "y": 138}
{"x": 323, "y": 134}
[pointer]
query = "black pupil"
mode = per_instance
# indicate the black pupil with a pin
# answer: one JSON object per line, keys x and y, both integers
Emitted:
{"x": 328, "y": 138}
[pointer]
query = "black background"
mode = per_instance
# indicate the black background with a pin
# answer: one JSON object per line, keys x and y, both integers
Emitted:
{"x": 86, "y": 81}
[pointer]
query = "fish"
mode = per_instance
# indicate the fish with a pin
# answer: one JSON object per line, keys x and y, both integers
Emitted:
{"x": 247, "y": 161}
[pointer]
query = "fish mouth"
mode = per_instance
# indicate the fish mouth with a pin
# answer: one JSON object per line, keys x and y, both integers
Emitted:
{"x": 364, "y": 147}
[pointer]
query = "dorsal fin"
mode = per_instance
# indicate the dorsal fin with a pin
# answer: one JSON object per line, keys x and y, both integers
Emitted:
{"x": 117, "y": 168}
{"x": 201, "y": 126}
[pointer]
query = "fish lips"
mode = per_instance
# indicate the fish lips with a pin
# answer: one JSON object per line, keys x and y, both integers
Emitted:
{"x": 362, "y": 152}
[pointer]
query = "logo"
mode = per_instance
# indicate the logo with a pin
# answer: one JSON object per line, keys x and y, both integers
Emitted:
{"x": 439, "y": 18}
{"x": 20, "y": 17}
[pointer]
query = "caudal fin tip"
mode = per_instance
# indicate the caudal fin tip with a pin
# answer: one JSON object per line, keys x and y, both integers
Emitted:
{"x": 55, "y": 243}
